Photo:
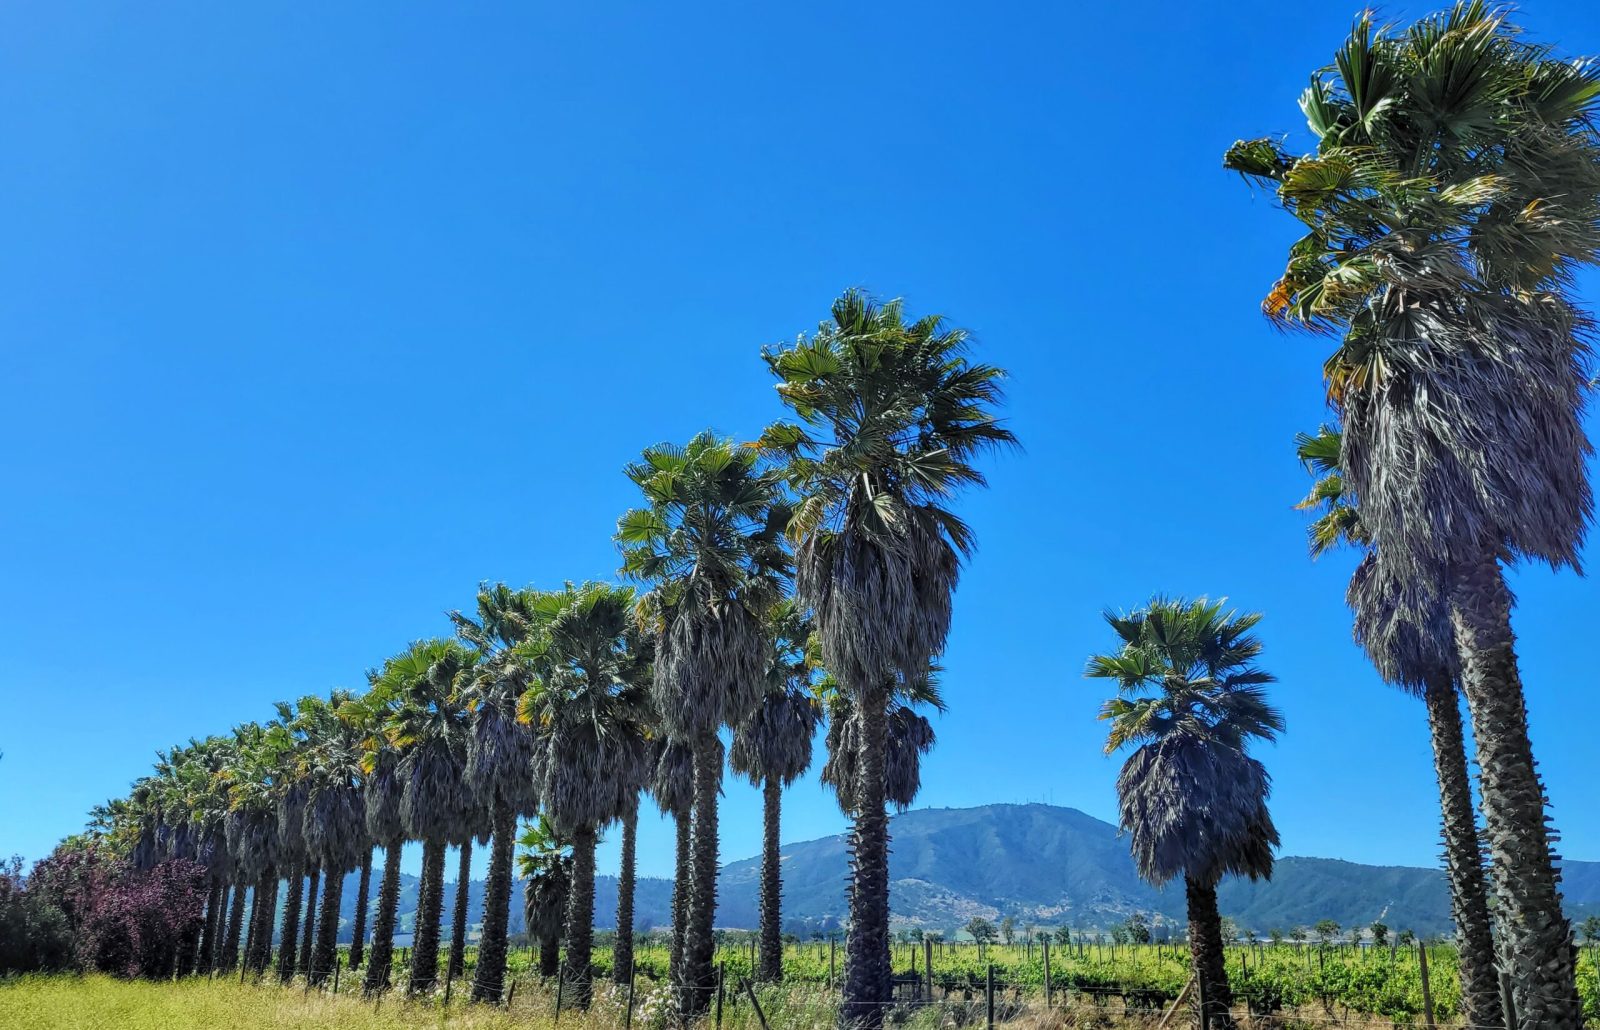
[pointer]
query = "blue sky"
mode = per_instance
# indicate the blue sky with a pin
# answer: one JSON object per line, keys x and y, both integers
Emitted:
{"x": 315, "y": 319}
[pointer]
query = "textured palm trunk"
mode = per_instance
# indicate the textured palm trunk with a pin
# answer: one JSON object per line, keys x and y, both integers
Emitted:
{"x": 290, "y": 924}
{"x": 580, "y": 920}
{"x": 770, "y": 966}
{"x": 309, "y": 920}
{"x": 259, "y": 951}
{"x": 230, "y": 943}
{"x": 430, "y": 900}
{"x": 680, "y": 900}
{"x": 380, "y": 962}
{"x": 358, "y": 933}
{"x": 458, "y": 914}
{"x": 252, "y": 926}
{"x": 1463, "y": 859}
{"x": 1206, "y": 954}
{"x": 326, "y": 952}
{"x": 699, "y": 941}
{"x": 549, "y": 955}
{"x": 867, "y": 984}
{"x": 622, "y": 945}
{"x": 208, "y": 933}
{"x": 1539, "y": 949}
{"x": 489, "y": 982}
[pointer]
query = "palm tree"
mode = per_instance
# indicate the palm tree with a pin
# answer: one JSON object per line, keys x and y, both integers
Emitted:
{"x": 709, "y": 543}
{"x": 384, "y": 791}
{"x": 672, "y": 785}
{"x": 1194, "y": 803}
{"x": 772, "y": 748}
{"x": 252, "y": 831}
{"x": 427, "y": 729}
{"x": 335, "y": 815}
{"x": 1453, "y": 194}
{"x": 290, "y": 789}
{"x": 891, "y": 416}
{"x": 1420, "y": 659}
{"x": 589, "y": 715}
{"x": 545, "y": 866}
{"x": 499, "y": 756}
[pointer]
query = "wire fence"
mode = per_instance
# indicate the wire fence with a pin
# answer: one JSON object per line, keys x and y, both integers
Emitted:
{"x": 924, "y": 998}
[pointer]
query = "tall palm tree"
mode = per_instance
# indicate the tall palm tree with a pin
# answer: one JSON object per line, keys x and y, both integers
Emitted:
{"x": 1454, "y": 191}
{"x": 772, "y": 748}
{"x": 499, "y": 755}
{"x": 335, "y": 817}
{"x": 1419, "y": 658}
{"x": 545, "y": 866}
{"x": 427, "y": 728}
{"x": 589, "y": 715}
{"x": 384, "y": 791}
{"x": 252, "y": 831}
{"x": 672, "y": 785}
{"x": 891, "y": 416}
{"x": 708, "y": 542}
{"x": 290, "y": 789}
{"x": 1194, "y": 803}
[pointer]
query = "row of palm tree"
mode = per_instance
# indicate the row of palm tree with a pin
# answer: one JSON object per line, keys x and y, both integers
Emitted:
{"x": 1453, "y": 192}
{"x": 807, "y": 576}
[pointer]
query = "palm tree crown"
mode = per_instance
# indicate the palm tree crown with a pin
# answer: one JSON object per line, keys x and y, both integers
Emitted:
{"x": 1190, "y": 701}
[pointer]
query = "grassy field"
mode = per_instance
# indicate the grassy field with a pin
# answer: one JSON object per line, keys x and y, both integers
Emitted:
{"x": 1307, "y": 986}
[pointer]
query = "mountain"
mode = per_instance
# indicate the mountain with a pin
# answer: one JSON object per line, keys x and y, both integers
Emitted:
{"x": 1045, "y": 866}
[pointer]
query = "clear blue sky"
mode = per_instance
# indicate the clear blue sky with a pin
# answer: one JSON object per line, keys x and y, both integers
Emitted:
{"x": 314, "y": 319}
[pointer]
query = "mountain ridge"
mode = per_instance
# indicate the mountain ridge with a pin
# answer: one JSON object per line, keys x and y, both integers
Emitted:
{"x": 1043, "y": 865}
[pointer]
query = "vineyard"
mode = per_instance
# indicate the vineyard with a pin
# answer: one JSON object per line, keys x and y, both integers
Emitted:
{"x": 1343, "y": 983}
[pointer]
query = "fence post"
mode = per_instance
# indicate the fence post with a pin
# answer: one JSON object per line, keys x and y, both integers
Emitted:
{"x": 927, "y": 963}
{"x": 1427, "y": 992}
{"x": 1205, "y": 1008}
{"x": 512, "y": 993}
{"x": 988, "y": 996}
{"x": 561, "y": 980}
{"x": 1507, "y": 1001}
{"x": 722, "y": 972}
{"x": 338, "y": 963}
{"x": 833, "y": 948}
{"x": 627, "y": 1023}
{"x": 1046, "y": 944}
{"x": 755, "y": 1003}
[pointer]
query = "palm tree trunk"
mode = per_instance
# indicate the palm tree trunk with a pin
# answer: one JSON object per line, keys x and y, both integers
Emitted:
{"x": 489, "y": 983}
{"x": 549, "y": 955}
{"x": 699, "y": 942}
{"x": 259, "y": 951}
{"x": 1206, "y": 955}
{"x": 770, "y": 966}
{"x": 425, "y": 937}
{"x": 382, "y": 957}
{"x": 358, "y": 933}
{"x": 326, "y": 952}
{"x": 580, "y": 919}
{"x": 1463, "y": 858}
{"x": 867, "y": 984}
{"x": 290, "y": 925}
{"x": 1538, "y": 938}
{"x": 230, "y": 943}
{"x": 680, "y": 900}
{"x": 622, "y": 944}
{"x": 208, "y": 934}
{"x": 252, "y": 926}
{"x": 309, "y": 920}
{"x": 458, "y": 928}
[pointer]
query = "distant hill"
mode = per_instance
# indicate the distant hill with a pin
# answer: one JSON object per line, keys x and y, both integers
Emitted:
{"x": 1045, "y": 866}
